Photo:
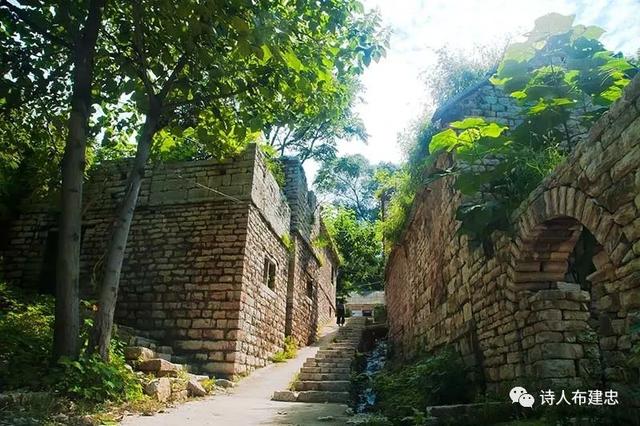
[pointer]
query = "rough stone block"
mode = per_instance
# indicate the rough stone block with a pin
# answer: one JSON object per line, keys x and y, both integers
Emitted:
{"x": 159, "y": 367}
{"x": 138, "y": 353}
{"x": 159, "y": 388}
{"x": 195, "y": 388}
{"x": 561, "y": 350}
{"x": 286, "y": 396}
{"x": 554, "y": 368}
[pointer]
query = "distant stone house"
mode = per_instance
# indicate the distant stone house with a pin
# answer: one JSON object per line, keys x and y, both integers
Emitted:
{"x": 220, "y": 264}
{"x": 363, "y": 304}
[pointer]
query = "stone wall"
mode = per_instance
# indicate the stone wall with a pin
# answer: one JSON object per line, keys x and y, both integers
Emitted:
{"x": 194, "y": 269}
{"x": 312, "y": 264}
{"x": 522, "y": 314}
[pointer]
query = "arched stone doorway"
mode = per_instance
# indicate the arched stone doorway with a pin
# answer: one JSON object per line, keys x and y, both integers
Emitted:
{"x": 565, "y": 277}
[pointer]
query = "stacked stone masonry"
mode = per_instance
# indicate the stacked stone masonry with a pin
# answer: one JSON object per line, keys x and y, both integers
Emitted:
{"x": 517, "y": 316}
{"x": 194, "y": 272}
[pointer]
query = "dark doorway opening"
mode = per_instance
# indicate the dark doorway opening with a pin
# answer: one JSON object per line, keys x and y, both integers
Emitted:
{"x": 581, "y": 260}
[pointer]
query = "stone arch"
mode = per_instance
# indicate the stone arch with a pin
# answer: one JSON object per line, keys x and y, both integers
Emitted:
{"x": 547, "y": 232}
{"x": 570, "y": 321}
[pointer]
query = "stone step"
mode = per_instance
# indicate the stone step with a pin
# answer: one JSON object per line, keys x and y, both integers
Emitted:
{"x": 311, "y": 396}
{"x": 321, "y": 364}
{"x": 333, "y": 357}
{"x": 322, "y": 396}
{"x": 143, "y": 341}
{"x": 337, "y": 351}
{"x": 323, "y": 385}
{"x": 160, "y": 367}
{"x": 323, "y": 376}
{"x": 142, "y": 353}
{"x": 334, "y": 370}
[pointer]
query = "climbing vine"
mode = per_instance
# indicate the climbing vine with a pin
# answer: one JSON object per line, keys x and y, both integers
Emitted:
{"x": 563, "y": 79}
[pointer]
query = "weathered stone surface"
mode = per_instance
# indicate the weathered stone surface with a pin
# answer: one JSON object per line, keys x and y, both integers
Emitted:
{"x": 138, "y": 353}
{"x": 193, "y": 278}
{"x": 159, "y": 367}
{"x": 224, "y": 383}
{"x": 554, "y": 368}
{"x": 159, "y": 388}
{"x": 195, "y": 388}
{"x": 526, "y": 302}
{"x": 287, "y": 396}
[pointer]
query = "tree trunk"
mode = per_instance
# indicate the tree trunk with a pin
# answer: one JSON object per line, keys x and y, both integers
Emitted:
{"x": 67, "y": 317}
{"x": 103, "y": 324}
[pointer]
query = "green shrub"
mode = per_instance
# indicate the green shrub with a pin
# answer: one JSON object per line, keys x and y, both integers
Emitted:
{"x": 289, "y": 351}
{"x": 26, "y": 337}
{"x": 288, "y": 242}
{"x": 433, "y": 380}
{"x": 380, "y": 313}
{"x": 273, "y": 163}
{"x": 92, "y": 379}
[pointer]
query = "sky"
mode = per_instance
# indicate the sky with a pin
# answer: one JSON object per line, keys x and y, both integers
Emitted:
{"x": 394, "y": 89}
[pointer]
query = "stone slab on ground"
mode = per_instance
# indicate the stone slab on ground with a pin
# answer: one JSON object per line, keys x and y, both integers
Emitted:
{"x": 159, "y": 367}
{"x": 488, "y": 411}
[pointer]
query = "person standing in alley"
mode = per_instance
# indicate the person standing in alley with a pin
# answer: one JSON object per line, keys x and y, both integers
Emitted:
{"x": 340, "y": 312}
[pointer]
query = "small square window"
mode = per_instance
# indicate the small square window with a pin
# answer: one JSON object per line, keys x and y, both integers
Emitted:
{"x": 269, "y": 274}
{"x": 310, "y": 289}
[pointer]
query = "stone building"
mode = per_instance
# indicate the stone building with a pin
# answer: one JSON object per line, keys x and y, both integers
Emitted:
{"x": 221, "y": 263}
{"x": 557, "y": 302}
{"x": 364, "y": 304}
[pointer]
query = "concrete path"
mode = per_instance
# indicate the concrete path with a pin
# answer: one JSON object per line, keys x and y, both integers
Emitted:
{"x": 249, "y": 403}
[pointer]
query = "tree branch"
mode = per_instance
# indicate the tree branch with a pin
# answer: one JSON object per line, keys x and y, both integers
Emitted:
{"x": 138, "y": 48}
{"x": 166, "y": 87}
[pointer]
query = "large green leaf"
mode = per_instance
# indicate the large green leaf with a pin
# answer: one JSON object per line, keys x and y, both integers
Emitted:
{"x": 292, "y": 61}
{"x": 492, "y": 130}
{"x": 552, "y": 23}
{"x": 468, "y": 122}
{"x": 446, "y": 140}
{"x": 519, "y": 52}
{"x": 592, "y": 32}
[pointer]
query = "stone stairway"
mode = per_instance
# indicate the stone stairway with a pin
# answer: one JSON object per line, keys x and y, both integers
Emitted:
{"x": 138, "y": 338}
{"x": 327, "y": 376}
{"x": 172, "y": 380}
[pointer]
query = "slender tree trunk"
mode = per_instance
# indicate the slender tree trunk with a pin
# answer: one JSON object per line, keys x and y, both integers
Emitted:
{"x": 103, "y": 323}
{"x": 67, "y": 317}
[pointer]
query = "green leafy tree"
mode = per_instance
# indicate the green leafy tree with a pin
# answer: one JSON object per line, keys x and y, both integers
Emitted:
{"x": 311, "y": 130}
{"x": 220, "y": 72}
{"x": 350, "y": 182}
{"x": 189, "y": 79}
{"x": 310, "y": 127}
{"x": 455, "y": 71}
{"x": 362, "y": 262}
{"x": 48, "y": 53}
{"x": 396, "y": 191}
